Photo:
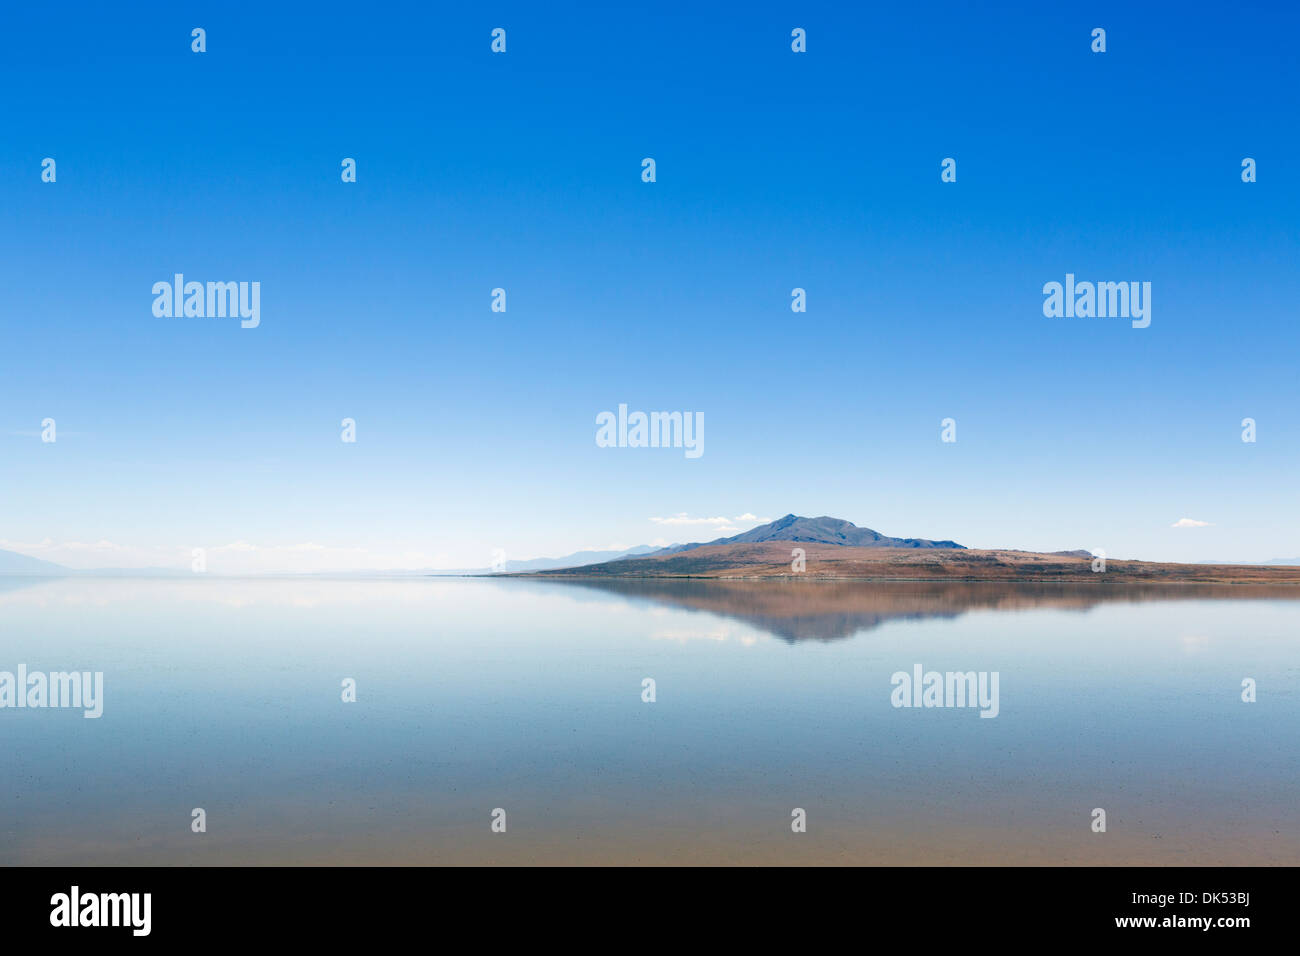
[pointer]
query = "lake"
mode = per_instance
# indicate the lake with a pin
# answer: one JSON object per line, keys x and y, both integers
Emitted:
{"x": 476, "y": 695}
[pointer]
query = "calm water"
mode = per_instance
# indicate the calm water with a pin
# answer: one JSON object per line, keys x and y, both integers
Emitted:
{"x": 525, "y": 695}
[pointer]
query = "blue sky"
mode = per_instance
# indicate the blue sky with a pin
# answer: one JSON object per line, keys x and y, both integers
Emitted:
{"x": 775, "y": 170}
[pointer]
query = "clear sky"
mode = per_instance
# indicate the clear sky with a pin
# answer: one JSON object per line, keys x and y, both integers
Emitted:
{"x": 775, "y": 170}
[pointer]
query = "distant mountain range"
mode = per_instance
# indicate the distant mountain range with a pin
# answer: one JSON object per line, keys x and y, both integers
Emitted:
{"x": 577, "y": 559}
{"x": 14, "y": 563}
{"x": 1288, "y": 562}
{"x": 11, "y": 562}
{"x": 834, "y": 548}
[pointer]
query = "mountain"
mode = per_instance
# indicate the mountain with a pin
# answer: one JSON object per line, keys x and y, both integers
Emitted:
{"x": 11, "y": 562}
{"x": 834, "y": 549}
{"x": 774, "y": 560}
{"x": 823, "y": 530}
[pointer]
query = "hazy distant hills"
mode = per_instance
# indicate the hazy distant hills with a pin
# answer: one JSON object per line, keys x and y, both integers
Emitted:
{"x": 11, "y": 562}
{"x": 577, "y": 559}
{"x": 527, "y": 566}
{"x": 14, "y": 563}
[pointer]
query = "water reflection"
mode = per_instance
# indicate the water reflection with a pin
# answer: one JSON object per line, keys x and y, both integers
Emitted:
{"x": 527, "y": 694}
{"x": 812, "y": 610}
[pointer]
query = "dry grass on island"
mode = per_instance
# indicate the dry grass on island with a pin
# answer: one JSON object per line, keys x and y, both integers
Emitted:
{"x": 772, "y": 559}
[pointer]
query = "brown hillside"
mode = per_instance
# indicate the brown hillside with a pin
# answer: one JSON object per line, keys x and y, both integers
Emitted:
{"x": 772, "y": 559}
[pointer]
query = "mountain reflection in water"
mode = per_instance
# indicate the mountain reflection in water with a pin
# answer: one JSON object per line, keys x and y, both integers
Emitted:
{"x": 812, "y": 610}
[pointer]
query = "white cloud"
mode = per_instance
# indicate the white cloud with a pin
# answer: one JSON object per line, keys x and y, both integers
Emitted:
{"x": 719, "y": 523}
{"x": 683, "y": 519}
{"x": 1189, "y": 523}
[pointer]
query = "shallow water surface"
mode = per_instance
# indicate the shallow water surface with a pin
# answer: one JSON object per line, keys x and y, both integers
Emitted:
{"x": 526, "y": 695}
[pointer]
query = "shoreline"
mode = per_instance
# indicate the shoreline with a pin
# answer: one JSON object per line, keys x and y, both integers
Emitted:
{"x": 1146, "y": 582}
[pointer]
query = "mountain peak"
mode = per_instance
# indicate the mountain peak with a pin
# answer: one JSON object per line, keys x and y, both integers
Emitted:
{"x": 820, "y": 530}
